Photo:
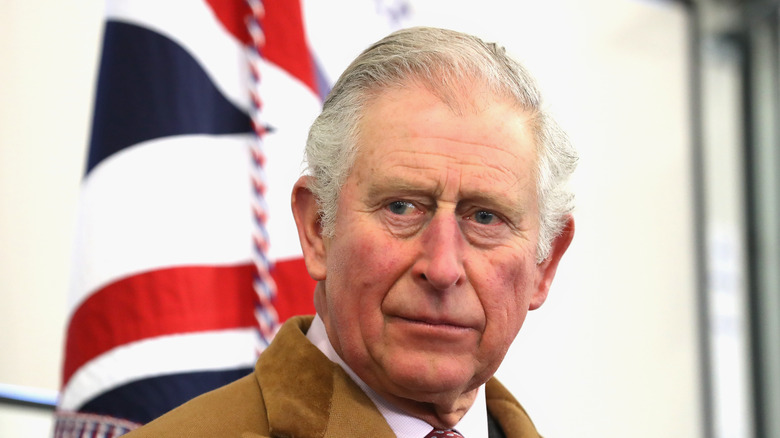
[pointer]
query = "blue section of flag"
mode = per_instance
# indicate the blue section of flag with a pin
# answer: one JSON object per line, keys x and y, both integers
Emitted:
{"x": 142, "y": 401}
{"x": 150, "y": 87}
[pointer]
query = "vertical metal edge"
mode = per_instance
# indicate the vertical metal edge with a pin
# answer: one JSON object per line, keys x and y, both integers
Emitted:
{"x": 699, "y": 222}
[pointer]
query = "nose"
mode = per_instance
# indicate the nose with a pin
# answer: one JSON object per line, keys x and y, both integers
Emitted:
{"x": 441, "y": 259}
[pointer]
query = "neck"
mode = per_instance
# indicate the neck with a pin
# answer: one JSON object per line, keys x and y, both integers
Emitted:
{"x": 444, "y": 412}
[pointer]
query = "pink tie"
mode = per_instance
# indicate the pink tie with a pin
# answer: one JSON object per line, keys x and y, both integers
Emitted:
{"x": 438, "y": 433}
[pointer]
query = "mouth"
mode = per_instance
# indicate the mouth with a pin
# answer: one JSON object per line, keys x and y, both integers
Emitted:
{"x": 426, "y": 333}
{"x": 435, "y": 323}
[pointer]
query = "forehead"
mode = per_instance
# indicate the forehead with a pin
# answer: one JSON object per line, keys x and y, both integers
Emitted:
{"x": 483, "y": 139}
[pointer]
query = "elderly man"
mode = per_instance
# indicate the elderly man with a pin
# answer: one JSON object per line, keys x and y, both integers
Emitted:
{"x": 433, "y": 216}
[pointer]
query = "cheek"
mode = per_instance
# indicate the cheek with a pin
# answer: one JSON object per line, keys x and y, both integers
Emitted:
{"x": 507, "y": 291}
{"x": 361, "y": 271}
{"x": 505, "y": 297}
{"x": 360, "y": 265}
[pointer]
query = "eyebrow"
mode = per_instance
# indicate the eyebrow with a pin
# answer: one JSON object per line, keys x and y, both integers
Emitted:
{"x": 395, "y": 184}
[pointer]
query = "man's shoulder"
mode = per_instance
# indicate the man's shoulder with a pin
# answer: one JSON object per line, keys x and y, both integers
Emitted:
{"x": 232, "y": 410}
{"x": 239, "y": 408}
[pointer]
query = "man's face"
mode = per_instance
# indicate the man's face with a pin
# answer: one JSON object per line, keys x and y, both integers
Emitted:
{"x": 431, "y": 269}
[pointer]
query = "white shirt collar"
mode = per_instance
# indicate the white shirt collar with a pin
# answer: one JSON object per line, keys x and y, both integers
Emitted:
{"x": 473, "y": 424}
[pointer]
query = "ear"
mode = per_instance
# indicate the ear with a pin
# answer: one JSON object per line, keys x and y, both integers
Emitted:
{"x": 307, "y": 220}
{"x": 545, "y": 270}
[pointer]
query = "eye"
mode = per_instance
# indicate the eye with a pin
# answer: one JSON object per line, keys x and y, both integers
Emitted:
{"x": 400, "y": 207}
{"x": 485, "y": 218}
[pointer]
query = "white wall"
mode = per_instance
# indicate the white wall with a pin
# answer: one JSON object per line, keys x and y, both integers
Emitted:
{"x": 48, "y": 54}
{"x": 613, "y": 353}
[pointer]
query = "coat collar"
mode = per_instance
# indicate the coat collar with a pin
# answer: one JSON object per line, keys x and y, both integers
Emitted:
{"x": 316, "y": 398}
{"x": 321, "y": 400}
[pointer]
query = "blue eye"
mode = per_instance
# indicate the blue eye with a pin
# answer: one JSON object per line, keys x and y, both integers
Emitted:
{"x": 399, "y": 207}
{"x": 484, "y": 217}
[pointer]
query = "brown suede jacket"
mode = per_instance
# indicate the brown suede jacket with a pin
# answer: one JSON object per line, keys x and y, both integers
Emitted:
{"x": 295, "y": 391}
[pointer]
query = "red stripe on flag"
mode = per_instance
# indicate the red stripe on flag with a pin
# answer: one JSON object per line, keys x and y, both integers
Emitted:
{"x": 177, "y": 300}
{"x": 285, "y": 39}
{"x": 232, "y": 14}
{"x": 157, "y": 303}
{"x": 295, "y": 289}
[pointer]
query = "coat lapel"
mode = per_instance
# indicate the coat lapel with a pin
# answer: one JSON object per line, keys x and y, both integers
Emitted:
{"x": 507, "y": 412}
{"x": 307, "y": 395}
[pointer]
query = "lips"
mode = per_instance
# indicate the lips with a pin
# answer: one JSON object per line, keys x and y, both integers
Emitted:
{"x": 442, "y": 312}
{"x": 440, "y": 322}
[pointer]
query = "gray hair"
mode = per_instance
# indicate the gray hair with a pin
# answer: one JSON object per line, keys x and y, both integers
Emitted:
{"x": 444, "y": 61}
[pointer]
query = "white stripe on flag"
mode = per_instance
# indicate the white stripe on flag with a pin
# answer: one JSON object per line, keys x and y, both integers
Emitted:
{"x": 194, "y": 27}
{"x": 289, "y": 108}
{"x": 169, "y": 202}
{"x": 206, "y": 351}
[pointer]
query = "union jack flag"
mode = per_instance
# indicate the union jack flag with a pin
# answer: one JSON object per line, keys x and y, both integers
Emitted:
{"x": 199, "y": 105}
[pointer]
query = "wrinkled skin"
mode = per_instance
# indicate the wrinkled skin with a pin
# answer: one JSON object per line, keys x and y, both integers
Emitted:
{"x": 432, "y": 267}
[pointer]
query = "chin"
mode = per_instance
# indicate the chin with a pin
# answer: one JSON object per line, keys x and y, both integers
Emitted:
{"x": 422, "y": 381}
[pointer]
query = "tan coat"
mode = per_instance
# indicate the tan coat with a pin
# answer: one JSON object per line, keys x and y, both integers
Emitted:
{"x": 295, "y": 391}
